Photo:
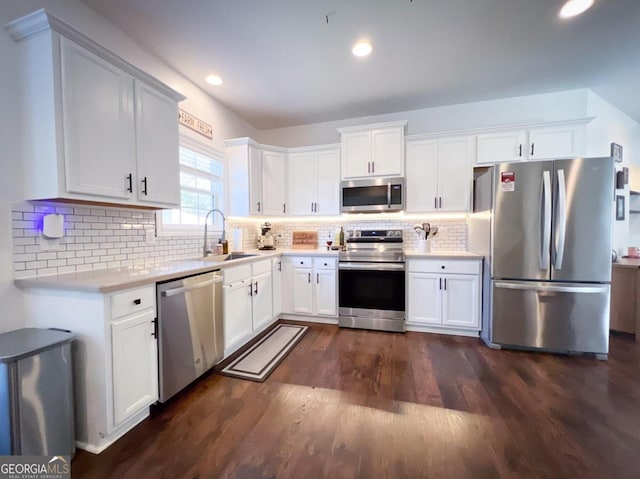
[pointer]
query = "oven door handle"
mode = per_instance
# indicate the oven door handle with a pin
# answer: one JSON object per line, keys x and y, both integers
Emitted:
{"x": 371, "y": 266}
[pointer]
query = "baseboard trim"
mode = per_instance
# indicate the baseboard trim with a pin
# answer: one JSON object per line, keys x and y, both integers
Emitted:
{"x": 121, "y": 431}
{"x": 437, "y": 330}
{"x": 310, "y": 319}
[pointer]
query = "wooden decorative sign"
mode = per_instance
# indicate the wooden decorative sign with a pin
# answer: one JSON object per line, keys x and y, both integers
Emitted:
{"x": 195, "y": 124}
{"x": 305, "y": 240}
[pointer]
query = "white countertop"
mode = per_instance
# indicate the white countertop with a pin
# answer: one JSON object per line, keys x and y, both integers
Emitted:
{"x": 442, "y": 255}
{"x": 115, "y": 279}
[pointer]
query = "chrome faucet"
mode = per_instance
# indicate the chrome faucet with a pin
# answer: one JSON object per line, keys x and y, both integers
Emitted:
{"x": 205, "y": 249}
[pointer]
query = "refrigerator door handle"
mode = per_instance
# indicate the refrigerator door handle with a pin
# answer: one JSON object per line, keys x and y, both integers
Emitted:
{"x": 545, "y": 198}
{"x": 553, "y": 288}
{"x": 561, "y": 220}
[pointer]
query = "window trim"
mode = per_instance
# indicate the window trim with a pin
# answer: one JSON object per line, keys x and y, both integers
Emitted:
{"x": 201, "y": 148}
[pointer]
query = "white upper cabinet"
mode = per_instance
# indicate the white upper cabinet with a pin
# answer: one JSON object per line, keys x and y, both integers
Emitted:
{"x": 314, "y": 181}
{"x": 503, "y": 147}
{"x": 356, "y": 154}
{"x": 96, "y": 128}
{"x": 302, "y": 169}
{"x": 422, "y": 176}
{"x": 439, "y": 174}
{"x": 257, "y": 177}
{"x": 372, "y": 150}
{"x": 157, "y": 142}
{"x": 387, "y": 151}
{"x": 565, "y": 140}
{"x": 254, "y": 181}
{"x": 274, "y": 183}
{"x": 455, "y": 173}
{"x": 556, "y": 142}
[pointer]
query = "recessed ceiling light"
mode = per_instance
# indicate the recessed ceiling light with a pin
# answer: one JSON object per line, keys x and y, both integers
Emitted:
{"x": 214, "y": 80}
{"x": 575, "y": 7}
{"x": 362, "y": 49}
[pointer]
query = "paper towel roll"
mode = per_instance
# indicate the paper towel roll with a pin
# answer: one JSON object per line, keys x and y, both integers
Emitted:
{"x": 237, "y": 240}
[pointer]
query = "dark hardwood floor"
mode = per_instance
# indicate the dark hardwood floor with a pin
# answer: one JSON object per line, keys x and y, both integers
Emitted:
{"x": 361, "y": 404}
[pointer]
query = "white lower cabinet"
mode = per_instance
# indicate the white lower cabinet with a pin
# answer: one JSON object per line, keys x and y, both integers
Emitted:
{"x": 115, "y": 356}
{"x": 444, "y": 296}
{"x": 135, "y": 365}
{"x": 238, "y": 321}
{"x": 276, "y": 272}
{"x": 248, "y": 302}
{"x": 312, "y": 284}
{"x": 262, "y": 300}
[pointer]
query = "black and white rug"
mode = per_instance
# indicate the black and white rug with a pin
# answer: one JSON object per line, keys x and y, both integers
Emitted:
{"x": 262, "y": 358}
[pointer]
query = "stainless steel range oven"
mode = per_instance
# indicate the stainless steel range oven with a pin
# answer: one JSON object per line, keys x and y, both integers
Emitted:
{"x": 372, "y": 281}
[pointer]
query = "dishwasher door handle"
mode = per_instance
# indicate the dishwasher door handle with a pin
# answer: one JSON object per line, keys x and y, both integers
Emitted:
{"x": 172, "y": 292}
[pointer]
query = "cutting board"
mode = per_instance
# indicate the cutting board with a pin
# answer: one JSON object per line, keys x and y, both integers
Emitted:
{"x": 305, "y": 240}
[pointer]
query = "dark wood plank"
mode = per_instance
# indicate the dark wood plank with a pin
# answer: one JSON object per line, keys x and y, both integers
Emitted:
{"x": 363, "y": 404}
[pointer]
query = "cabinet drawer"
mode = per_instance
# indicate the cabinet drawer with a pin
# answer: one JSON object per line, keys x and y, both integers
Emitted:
{"x": 324, "y": 263}
{"x": 132, "y": 301}
{"x": 300, "y": 261}
{"x": 444, "y": 266}
{"x": 260, "y": 267}
{"x": 237, "y": 273}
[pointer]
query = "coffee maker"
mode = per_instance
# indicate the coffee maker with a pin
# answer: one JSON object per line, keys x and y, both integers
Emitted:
{"x": 266, "y": 239}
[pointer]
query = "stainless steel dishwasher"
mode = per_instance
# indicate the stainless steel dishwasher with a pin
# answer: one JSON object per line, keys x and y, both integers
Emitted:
{"x": 190, "y": 330}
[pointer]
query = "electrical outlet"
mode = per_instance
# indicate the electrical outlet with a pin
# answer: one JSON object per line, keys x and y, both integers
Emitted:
{"x": 150, "y": 236}
{"x": 50, "y": 244}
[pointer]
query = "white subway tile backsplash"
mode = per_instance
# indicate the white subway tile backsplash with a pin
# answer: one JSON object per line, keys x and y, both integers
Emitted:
{"x": 97, "y": 238}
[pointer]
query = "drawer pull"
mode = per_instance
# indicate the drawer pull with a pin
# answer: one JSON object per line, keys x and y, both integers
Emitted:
{"x": 442, "y": 266}
{"x": 137, "y": 301}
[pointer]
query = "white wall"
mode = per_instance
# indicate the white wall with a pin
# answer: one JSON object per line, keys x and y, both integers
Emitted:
{"x": 226, "y": 124}
{"x": 567, "y": 105}
{"x": 11, "y": 298}
{"x": 613, "y": 125}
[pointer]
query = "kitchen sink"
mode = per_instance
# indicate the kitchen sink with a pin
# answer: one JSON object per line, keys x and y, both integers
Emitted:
{"x": 227, "y": 257}
{"x": 233, "y": 256}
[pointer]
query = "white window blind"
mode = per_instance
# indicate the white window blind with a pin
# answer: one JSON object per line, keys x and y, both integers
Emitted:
{"x": 201, "y": 189}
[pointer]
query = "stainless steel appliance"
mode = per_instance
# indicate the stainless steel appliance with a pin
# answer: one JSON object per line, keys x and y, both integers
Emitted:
{"x": 372, "y": 195}
{"x": 36, "y": 393}
{"x": 371, "y": 291}
{"x": 547, "y": 232}
{"x": 266, "y": 239}
{"x": 190, "y": 330}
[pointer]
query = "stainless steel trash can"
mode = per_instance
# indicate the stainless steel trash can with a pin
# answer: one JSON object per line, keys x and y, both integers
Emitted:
{"x": 36, "y": 393}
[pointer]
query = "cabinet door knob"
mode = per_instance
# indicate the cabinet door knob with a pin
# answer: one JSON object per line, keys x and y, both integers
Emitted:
{"x": 442, "y": 266}
{"x": 445, "y": 284}
{"x": 137, "y": 301}
{"x": 284, "y": 207}
{"x": 440, "y": 287}
{"x": 130, "y": 182}
{"x": 533, "y": 145}
{"x": 144, "y": 189}
{"x": 309, "y": 277}
{"x": 435, "y": 202}
{"x": 440, "y": 202}
{"x": 520, "y": 150}
{"x": 373, "y": 167}
{"x": 258, "y": 207}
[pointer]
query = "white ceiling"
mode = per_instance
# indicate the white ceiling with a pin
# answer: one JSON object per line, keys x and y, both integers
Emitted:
{"x": 283, "y": 65}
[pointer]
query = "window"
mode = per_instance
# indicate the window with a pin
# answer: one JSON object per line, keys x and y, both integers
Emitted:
{"x": 201, "y": 189}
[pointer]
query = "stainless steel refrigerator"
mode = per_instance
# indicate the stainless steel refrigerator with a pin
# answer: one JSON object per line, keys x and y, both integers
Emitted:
{"x": 546, "y": 230}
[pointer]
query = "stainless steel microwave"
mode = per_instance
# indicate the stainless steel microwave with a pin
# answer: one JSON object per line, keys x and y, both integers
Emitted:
{"x": 372, "y": 195}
